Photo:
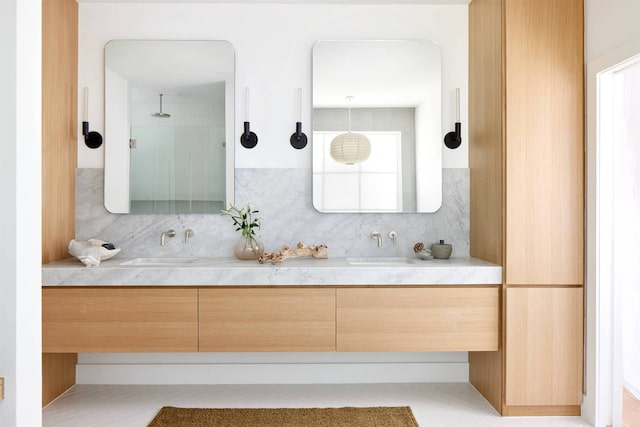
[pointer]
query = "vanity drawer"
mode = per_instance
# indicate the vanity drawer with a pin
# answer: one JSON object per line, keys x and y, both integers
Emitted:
{"x": 119, "y": 320}
{"x": 457, "y": 318}
{"x": 267, "y": 319}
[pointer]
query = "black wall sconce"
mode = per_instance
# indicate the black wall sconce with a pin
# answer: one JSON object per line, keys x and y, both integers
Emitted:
{"x": 248, "y": 139}
{"x": 92, "y": 139}
{"x": 453, "y": 139}
{"x": 298, "y": 139}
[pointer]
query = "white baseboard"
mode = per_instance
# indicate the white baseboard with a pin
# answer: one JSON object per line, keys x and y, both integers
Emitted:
{"x": 272, "y": 373}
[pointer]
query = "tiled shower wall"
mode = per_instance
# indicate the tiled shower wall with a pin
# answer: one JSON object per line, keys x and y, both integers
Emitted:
{"x": 283, "y": 197}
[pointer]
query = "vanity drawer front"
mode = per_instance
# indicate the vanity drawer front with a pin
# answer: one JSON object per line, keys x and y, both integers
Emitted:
{"x": 119, "y": 320}
{"x": 267, "y": 319}
{"x": 418, "y": 319}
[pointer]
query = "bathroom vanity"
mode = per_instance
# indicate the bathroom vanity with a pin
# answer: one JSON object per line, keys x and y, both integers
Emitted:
{"x": 303, "y": 305}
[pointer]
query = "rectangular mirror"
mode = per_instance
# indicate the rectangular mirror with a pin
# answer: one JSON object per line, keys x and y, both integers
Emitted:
{"x": 168, "y": 126}
{"x": 389, "y": 94}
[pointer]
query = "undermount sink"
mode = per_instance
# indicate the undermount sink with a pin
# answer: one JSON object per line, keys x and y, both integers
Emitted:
{"x": 380, "y": 261}
{"x": 160, "y": 261}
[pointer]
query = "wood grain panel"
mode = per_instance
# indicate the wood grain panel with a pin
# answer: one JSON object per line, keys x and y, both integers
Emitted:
{"x": 486, "y": 163}
{"x": 119, "y": 320}
{"x": 543, "y": 346}
{"x": 267, "y": 319}
{"x": 417, "y": 319}
{"x": 59, "y": 125}
{"x": 544, "y": 142}
{"x": 486, "y": 108}
{"x": 58, "y": 374}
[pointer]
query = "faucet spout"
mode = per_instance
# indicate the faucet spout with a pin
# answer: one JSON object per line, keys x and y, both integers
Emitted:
{"x": 168, "y": 233}
{"x": 378, "y": 237}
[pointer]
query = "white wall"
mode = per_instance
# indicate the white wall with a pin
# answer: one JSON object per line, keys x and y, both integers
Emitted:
{"x": 609, "y": 24}
{"x": 611, "y": 36}
{"x": 273, "y": 45}
{"x": 20, "y": 192}
{"x": 627, "y": 211}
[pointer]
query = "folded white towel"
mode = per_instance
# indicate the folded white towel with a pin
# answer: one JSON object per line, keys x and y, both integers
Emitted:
{"x": 86, "y": 252}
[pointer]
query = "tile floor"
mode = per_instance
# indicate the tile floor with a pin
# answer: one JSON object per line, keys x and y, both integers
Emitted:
{"x": 434, "y": 405}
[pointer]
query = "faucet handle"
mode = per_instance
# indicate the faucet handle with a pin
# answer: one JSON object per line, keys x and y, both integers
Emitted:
{"x": 187, "y": 235}
{"x": 393, "y": 236}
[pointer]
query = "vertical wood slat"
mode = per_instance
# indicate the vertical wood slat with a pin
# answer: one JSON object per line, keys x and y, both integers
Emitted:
{"x": 59, "y": 159}
{"x": 485, "y": 130}
{"x": 486, "y": 163}
{"x": 59, "y": 125}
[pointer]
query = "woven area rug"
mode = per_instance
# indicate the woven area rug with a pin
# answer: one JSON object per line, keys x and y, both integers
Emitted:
{"x": 397, "y": 416}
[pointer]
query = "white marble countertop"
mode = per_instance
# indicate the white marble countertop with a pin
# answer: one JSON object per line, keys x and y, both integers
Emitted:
{"x": 298, "y": 271}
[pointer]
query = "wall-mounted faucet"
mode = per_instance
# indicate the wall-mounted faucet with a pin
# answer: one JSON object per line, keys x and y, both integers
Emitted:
{"x": 168, "y": 233}
{"x": 378, "y": 236}
{"x": 393, "y": 236}
{"x": 187, "y": 235}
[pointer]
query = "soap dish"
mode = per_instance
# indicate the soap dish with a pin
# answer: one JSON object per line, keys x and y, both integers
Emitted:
{"x": 422, "y": 252}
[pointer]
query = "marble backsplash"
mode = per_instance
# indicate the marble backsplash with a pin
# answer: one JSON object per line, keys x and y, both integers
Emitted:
{"x": 283, "y": 197}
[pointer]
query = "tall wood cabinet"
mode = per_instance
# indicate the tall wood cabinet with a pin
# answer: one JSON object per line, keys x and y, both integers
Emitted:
{"x": 526, "y": 155}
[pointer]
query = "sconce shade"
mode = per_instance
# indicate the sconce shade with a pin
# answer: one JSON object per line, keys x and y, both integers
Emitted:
{"x": 350, "y": 148}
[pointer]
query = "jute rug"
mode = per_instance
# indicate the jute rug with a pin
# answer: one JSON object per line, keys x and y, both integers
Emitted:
{"x": 398, "y": 416}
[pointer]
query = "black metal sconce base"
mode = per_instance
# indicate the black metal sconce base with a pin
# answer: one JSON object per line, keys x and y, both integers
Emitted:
{"x": 453, "y": 139}
{"x": 248, "y": 139}
{"x": 298, "y": 139}
{"x": 91, "y": 139}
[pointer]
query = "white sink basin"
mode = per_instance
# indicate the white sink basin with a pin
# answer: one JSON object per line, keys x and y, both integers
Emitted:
{"x": 380, "y": 261}
{"x": 160, "y": 261}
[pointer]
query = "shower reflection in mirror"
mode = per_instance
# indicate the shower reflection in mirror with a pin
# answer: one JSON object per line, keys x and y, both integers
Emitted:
{"x": 168, "y": 124}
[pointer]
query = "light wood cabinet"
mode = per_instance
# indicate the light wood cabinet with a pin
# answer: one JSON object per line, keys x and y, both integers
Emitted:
{"x": 267, "y": 319}
{"x": 158, "y": 319}
{"x": 418, "y": 319}
{"x": 119, "y": 320}
{"x": 526, "y": 155}
{"x": 545, "y": 323}
{"x": 544, "y": 141}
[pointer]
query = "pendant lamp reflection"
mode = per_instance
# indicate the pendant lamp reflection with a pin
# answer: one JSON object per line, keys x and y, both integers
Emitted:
{"x": 350, "y": 148}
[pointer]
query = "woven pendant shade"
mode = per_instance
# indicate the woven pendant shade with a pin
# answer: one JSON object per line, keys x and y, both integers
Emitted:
{"x": 350, "y": 148}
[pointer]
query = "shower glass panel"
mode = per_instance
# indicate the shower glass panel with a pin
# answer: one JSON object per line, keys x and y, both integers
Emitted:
{"x": 177, "y": 161}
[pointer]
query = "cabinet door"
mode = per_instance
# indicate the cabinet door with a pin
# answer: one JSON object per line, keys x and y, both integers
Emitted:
{"x": 544, "y": 122}
{"x": 418, "y": 319}
{"x": 119, "y": 320}
{"x": 543, "y": 346}
{"x": 267, "y": 319}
